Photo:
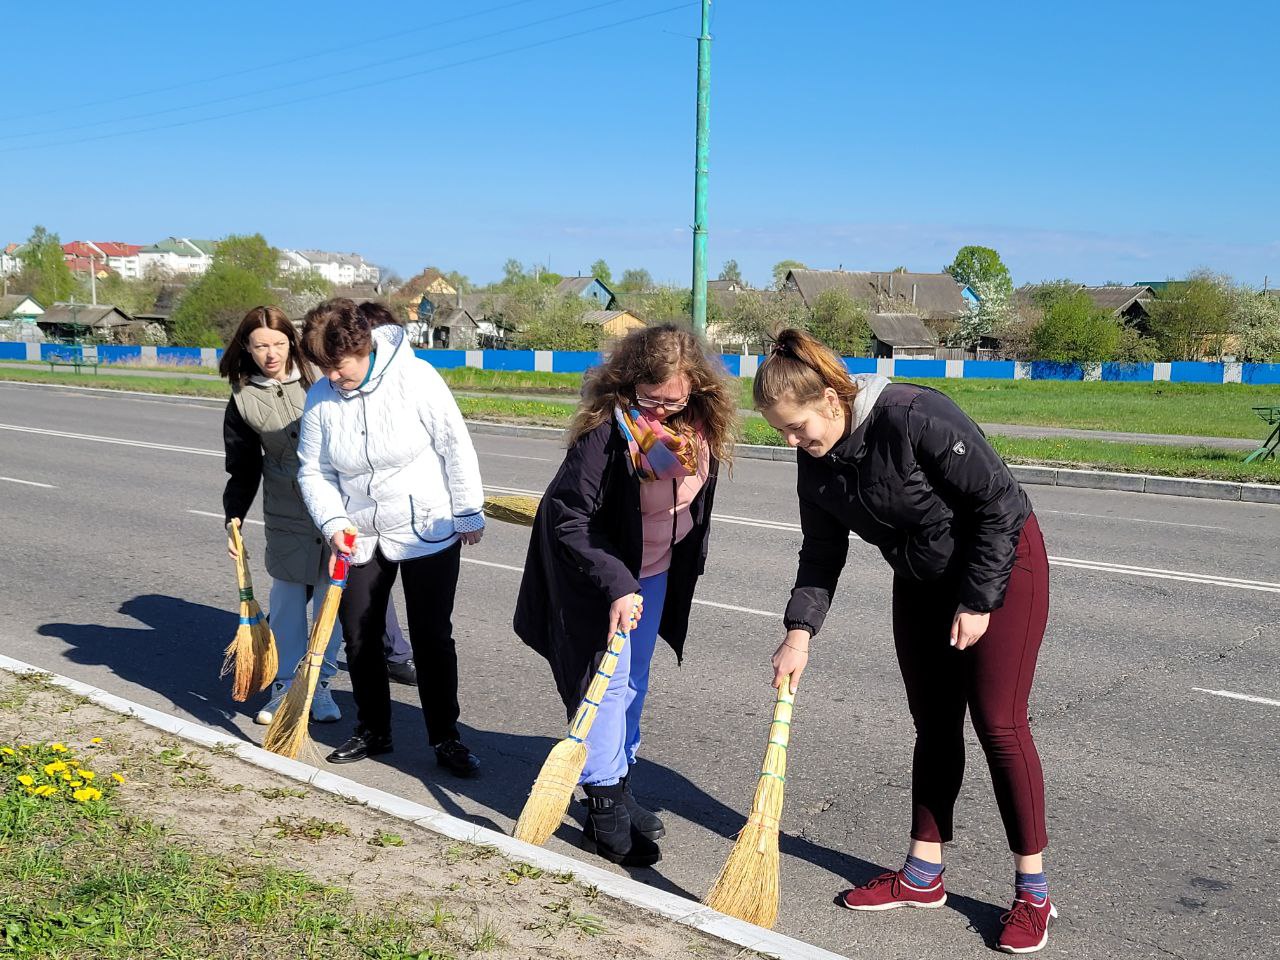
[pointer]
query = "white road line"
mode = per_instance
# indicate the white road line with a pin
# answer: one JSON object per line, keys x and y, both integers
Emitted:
{"x": 1157, "y": 573}
{"x": 116, "y": 440}
{"x": 218, "y": 516}
{"x": 1167, "y": 523}
{"x": 1230, "y": 694}
{"x": 490, "y": 563}
{"x": 512, "y": 456}
{"x": 29, "y": 483}
{"x": 531, "y": 493}
{"x": 730, "y": 606}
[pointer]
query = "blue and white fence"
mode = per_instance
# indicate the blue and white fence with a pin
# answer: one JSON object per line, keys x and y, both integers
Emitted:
{"x": 742, "y": 366}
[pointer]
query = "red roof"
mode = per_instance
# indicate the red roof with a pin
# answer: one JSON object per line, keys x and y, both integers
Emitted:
{"x": 80, "y": 248}
{"x": 77, "y": 248}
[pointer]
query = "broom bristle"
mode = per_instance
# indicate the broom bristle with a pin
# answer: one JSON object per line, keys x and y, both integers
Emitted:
{"x": 549, "y": 799}
{"x": 512, "y": 509}
{"x": 266, "y": 661}
{"x": 238, "y": 661}
{"x": 748, "y": 886}
{"x": 287, "y": 735}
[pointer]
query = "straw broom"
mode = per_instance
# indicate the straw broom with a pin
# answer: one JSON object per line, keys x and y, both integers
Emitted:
{"x": 553, "y": 789}
{"x": 287, "y": 734}
{"x": 747, "y": 887}
{"x": 251, "y": 655}
{"x": 512, "y": 509}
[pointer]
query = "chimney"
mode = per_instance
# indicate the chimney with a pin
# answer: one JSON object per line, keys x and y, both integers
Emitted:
{"x": 913, "y": 294}
{"x": 891, "y": 284}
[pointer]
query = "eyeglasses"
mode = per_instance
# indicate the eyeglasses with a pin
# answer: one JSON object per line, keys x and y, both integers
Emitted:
{"x": 671, "y": 406}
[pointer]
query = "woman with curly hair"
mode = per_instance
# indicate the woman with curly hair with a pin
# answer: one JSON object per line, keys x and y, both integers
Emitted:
{"x": 626, "y": 521}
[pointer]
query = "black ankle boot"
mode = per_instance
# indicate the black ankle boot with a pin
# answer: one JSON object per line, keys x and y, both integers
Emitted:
{"x": 608, "y": 831}
{"x": 644, "y": 822}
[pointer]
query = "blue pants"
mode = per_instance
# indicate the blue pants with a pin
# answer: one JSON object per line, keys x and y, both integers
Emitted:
{"x": 614, "y": 737}
{"x": 288, "y": 612}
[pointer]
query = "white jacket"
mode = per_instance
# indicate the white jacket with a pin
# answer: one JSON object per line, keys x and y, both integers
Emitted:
{"x": 391, "y": 458}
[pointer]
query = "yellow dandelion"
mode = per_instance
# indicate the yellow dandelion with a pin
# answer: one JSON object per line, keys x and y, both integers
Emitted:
{"x": 26, "y": 780}
{"x": 24, "y": 746}
{"x": 76, "y": 783}
{"x": 118, "y": 777}
{"x": 67, "y": 775}
{"x": 87, "y": 774}
{"x": 9, "y": 750}
{"x": 47, "y": 790}
{"x": 87, "y": 793}
{"x": 96, "y": 740}
{"x": 57, "y": 748}
{"x": 56, "y": 767}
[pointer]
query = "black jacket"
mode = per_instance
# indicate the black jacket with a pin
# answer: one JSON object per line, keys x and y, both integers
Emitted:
{"x": 585, "y": 552}
{"x": 918, "y": 479}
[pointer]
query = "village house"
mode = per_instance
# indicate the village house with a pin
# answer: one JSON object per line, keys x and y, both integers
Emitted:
{"x": 177, "y": 256}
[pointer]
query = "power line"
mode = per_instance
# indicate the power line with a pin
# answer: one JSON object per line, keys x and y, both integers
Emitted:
{"x": 360, "y": 86}
{"x": 326, "y": 76}
{"x": 265, "y": 66}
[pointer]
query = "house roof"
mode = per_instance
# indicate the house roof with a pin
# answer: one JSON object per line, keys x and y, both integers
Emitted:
{"x": 117, "y": 249}
{"x": 453, "y": 317}
{"x": 10, "y": 302}
{"x": 100, "y": 248}
{"x": 601, "y": 317}
{"x": 937, "y": 296}
{"x": 574, "y": 284}
{"x": 901, "y": 330}
{"x": 85, "y": 315}
{"x": 182, "y": 247}
{"x": 724, "y": 285}
{"x": 323, "y": 256}
{"x": 1118, "y": 299}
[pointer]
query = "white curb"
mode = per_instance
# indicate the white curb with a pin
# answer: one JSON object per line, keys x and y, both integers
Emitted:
{"x": 668, "y": 905}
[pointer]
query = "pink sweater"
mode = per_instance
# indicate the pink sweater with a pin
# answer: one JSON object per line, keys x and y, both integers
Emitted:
{"x": 664, "y": 507}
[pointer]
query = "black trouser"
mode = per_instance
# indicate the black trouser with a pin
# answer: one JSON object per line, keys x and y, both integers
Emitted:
{"x": 429, "y": 585}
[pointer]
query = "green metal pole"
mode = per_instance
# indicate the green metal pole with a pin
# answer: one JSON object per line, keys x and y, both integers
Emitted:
{"x": 700, "y": 175}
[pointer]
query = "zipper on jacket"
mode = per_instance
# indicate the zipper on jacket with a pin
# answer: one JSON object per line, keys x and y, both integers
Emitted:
{"x": 675, "y": 503}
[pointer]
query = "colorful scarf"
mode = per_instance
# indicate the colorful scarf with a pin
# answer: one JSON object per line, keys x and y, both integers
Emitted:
{"x": 657, "y": 451}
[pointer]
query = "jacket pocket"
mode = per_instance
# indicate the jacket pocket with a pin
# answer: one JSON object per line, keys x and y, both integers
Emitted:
{"x": 430, "y": 526}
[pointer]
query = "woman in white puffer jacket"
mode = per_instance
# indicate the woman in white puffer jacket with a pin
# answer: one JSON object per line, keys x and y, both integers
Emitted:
{"x": 384, "y": 449}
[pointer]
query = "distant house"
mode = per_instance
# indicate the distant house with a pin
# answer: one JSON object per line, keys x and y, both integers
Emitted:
{"x": 459, "y": 321}
{"x": 102, "y": 256}
{"x": 930, "y": 296}
{"x": 10, "y": 261}
{"x": 340, "y": 269}
{"x": 901, "y": 335}
{"x": 613, "y": 323}
{"x": 1128, "y": 304}
{"x": 64, "y": 321}
{"x": 179, "y": 256}
{"x": 590, "y": 288}
{"x": 18, "y": 307}
{"x": 731, "y": 286}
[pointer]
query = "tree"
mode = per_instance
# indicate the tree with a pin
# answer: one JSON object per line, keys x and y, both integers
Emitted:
{"x": 459, "y": 282}
{"x": 546, "y": 320}
{"x": 131, "y": 296}
{"x": 600, "y": 270}
{"x": 209, "y": 311}
{"x": 1255, "y": 322}
{"x": 637, "y": 280}
{"x": 45, "y": 274}
{"x": 782, "y": 268}
{"x": 840, "y": 322}
{"x": 1192, "y": 318}
{"x": 754, "y": 317}
{"x": 980, "y": 265}
{"x": 730, "y": 271}
{"x": 1075, "y": 331}
{"x": 512, "y": 271}
{"x": 251, "y": 253}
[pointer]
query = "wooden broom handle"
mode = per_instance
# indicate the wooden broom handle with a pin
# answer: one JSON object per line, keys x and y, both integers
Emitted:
{"x": 600, "y": 682}
{"x": 242, "y": 561}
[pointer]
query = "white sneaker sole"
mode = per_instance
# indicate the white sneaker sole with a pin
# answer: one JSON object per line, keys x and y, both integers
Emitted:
{"x": 1053, "y": 915}
{"x": 914, "y": 904}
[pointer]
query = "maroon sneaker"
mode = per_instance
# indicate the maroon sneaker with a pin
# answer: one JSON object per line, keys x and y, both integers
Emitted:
{"x": 891, "y": 890}
{"x": 1026, "y": 926}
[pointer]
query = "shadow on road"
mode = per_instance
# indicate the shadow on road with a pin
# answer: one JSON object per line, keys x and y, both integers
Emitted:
{"x": 170, "y": 653}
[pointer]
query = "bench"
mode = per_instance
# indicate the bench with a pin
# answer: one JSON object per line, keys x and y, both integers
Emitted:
{"x": 88, "y": 357}
{"x": 1271, "y": 417}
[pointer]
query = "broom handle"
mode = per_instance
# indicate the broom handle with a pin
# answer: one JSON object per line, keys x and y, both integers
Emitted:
{"x": 586, "y": 714}
{"x": 775, "y": 753}
{"x": 323, "y": 626}
{"x": 242, "y": 563}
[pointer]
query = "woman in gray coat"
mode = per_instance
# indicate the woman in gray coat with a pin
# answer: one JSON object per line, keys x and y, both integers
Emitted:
{"x": 269, "y": 382}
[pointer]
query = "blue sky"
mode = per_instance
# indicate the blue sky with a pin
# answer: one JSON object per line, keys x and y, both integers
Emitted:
{"x": 1117, "y": 141}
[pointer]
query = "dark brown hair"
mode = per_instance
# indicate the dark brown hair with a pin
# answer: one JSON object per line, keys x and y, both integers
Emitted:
{"x": 378, "y": 314}
{"x": 655, "y": 355}
{"x": 237, "y": 363}
{"x": 333, "y": 330}
{"x": 800, "y": 368}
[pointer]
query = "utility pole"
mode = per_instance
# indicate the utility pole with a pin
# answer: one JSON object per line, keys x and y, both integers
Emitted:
{"x": 700, "y": 175}
{"x": 93, "y": 280}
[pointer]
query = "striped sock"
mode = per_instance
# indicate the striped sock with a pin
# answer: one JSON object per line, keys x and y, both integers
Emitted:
{"x": 1031, "y": 886}
{"x": 921, "y": 873}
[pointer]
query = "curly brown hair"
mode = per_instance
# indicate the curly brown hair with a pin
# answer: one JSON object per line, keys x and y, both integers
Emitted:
{"x": 333, "y": 330}
{"x": 655, "y": 355}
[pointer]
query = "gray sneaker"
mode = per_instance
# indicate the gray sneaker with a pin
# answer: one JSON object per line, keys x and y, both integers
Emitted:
{"x": 278, "y": 690}
{"x": 323, "y": 709}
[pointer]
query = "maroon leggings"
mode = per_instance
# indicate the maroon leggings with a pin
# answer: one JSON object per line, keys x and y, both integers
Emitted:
{"x": 992, "y": 679}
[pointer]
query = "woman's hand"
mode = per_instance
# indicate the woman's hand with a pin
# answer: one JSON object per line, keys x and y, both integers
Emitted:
{"x": 339, "y": 544}
{"x": 624, "y": 613}
{"x": 968, "y": 626}
{"x": 471, "y": 538}
{"x": 232, "y": 552}
{"x": 791, "y": 657}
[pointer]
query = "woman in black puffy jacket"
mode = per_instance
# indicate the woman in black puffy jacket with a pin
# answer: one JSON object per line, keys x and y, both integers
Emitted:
{"x": 903, "y": 468}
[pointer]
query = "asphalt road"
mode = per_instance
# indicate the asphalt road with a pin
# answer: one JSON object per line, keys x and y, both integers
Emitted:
{"x": 1163, "y": 795}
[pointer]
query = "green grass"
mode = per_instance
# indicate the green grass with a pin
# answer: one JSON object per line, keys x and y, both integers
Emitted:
{"x": 170, "y": 386}
{"x": 510, "y": 381}
{"x": 1205, "y": 463}
{"x": 83, "y": 880}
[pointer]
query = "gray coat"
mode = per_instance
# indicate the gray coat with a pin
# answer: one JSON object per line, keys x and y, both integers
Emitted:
{"x": 260, "y": 433}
